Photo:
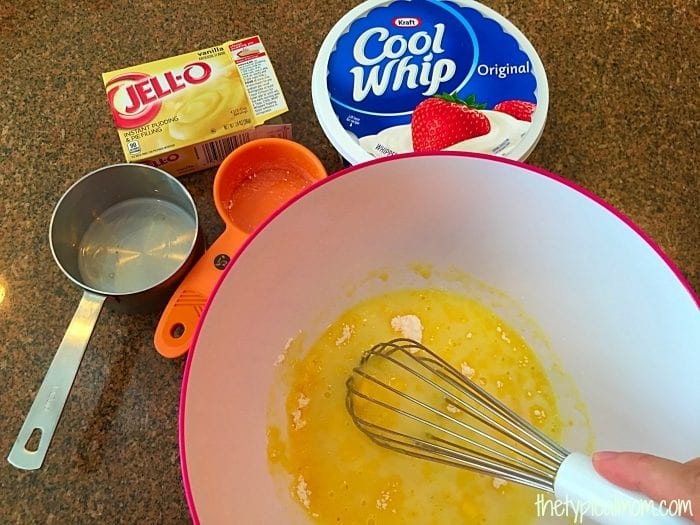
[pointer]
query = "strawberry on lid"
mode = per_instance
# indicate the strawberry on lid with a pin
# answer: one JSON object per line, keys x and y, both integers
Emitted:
{"x": 401, "y": 76}
{"x": 444, "y": 120}
{"x": 517, "y": 108}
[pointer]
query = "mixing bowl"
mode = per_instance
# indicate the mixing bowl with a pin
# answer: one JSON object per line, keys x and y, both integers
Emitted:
{"x": 612, "y": 310}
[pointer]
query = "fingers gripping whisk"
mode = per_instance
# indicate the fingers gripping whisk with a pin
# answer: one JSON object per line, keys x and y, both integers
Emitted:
{"x": 405, "y": 397}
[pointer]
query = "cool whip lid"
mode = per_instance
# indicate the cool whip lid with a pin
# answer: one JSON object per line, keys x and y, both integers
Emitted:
{"x": 381, "y": 62}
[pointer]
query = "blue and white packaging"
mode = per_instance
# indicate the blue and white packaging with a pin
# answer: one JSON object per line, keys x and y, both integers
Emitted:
{"x": 383, "y": 58}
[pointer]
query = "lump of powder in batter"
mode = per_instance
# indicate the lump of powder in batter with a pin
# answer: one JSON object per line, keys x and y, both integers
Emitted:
{"x": 408, "y": 326}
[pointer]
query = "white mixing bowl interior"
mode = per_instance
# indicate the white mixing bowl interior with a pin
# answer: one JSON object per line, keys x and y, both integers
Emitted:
{"x": 623, "y": 324}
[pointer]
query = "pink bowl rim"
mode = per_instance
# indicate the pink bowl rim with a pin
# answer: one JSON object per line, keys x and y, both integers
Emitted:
{"x": 346, "y": 171}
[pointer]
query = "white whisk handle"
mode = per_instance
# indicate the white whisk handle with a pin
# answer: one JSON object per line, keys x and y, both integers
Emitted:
{"x": 588, "y": 495}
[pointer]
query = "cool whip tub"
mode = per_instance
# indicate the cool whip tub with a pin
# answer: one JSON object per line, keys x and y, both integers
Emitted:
{"x": 384, "y": 59}
{"x": 186, "y": 113}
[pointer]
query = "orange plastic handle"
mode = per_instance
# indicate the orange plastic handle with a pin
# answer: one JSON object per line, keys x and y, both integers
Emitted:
{"x": 180, "y": 318}
{"x": 173, "y": 336}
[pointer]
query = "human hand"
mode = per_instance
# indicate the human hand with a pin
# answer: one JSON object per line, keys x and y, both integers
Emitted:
{"x": 658, "y": 478}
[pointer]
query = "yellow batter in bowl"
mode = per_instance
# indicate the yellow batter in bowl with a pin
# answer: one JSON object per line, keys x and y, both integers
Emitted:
{"x": 338, "y": 476}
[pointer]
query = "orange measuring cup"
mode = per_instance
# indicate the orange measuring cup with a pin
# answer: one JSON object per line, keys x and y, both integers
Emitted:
{"x": 251, "y": 183}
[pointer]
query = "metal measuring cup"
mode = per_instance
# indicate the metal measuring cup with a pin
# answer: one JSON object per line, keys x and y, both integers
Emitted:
{"x": 126, "y": 234}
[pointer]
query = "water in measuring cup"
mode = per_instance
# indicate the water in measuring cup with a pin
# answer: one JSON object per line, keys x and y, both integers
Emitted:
{"x": 134, "y": 245}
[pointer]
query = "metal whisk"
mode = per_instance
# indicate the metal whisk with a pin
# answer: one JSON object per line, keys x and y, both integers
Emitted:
{"x": 406, "y": 398}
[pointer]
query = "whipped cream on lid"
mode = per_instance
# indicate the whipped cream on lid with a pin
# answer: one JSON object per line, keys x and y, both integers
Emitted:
{"x": 382, "y": 62}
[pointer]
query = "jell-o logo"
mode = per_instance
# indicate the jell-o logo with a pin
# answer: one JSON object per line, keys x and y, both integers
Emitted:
{"x": 135, "y": 97}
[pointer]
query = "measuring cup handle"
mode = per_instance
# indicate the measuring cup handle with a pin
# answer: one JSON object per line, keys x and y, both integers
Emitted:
{"x": 48, "y": 404}
{"x": 178, "y": 321}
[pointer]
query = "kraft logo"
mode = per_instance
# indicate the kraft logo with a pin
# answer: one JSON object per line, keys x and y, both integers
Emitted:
{"x": 406, "y": 21}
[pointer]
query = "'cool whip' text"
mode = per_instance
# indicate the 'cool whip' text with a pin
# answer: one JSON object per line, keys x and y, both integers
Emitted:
{"x": 401, "y": 69}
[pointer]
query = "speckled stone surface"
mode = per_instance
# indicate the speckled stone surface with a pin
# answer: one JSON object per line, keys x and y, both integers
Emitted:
{"x": 623, "y": 123}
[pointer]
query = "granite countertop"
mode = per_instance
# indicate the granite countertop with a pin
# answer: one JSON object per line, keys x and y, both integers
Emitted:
{"x": 623, "y": 123}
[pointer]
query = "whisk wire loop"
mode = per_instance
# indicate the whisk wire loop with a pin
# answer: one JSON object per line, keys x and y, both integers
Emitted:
{"x": 462, "y": 425}
{"x": 498, "y": 442}
{"x": 507, "y": 468}
{"x": 506, "y": 421}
